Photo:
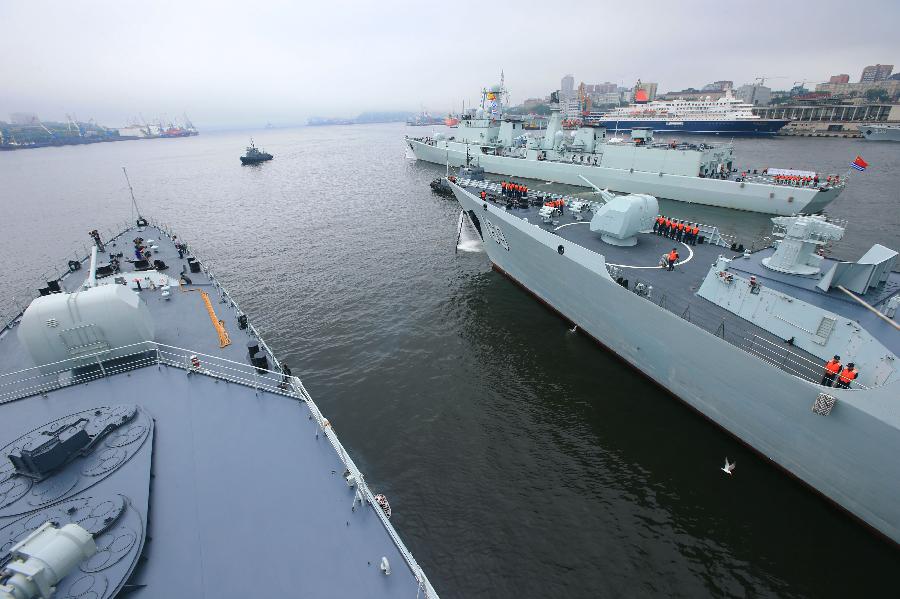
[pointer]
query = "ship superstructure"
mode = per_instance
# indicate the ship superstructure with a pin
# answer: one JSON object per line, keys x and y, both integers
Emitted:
{"x": 726, "y": 115}
{"x": 700, "y": 173}
{"x": 153, "y": 444}
{"x": 741, "y": 335}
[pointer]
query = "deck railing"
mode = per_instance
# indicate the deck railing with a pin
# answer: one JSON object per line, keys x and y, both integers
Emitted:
{"x": 83, "y": 369}
{"x": 789, "y": 361}
{"x": 39, "y": 380}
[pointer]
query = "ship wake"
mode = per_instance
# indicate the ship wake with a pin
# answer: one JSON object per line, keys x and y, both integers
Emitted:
{"x": 467, "y": 239}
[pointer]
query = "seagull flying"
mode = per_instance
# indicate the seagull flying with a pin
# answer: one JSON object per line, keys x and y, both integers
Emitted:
{"x": 729, "y": 467}
{"x": 574, "y": 329}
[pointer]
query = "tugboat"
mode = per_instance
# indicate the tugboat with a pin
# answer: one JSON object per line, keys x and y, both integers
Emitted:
{"x": 254, "y": 155}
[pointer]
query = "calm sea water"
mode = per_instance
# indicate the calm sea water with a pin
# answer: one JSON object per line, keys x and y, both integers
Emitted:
{"x": 520, "y": 459}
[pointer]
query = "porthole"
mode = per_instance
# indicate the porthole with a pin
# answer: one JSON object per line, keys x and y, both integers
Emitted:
{"x": 561, "y": 250}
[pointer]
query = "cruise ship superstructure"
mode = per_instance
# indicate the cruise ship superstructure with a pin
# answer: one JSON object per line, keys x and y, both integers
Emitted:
{"x": 723, "y": 116}
{"x": 741, "y": 336}
{"x": 699, "y": 173}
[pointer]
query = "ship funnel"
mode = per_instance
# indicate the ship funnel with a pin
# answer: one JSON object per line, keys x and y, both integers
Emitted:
{"x": 554, "y": 126}
{"x": 797, "y": 252}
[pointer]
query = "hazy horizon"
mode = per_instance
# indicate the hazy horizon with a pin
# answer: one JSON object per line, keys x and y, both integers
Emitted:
{"x": 230, "y": 65}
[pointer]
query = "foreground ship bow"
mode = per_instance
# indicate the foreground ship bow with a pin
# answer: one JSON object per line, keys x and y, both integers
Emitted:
{"x": 740, "y": 336}
{"x": 130, "y": 463}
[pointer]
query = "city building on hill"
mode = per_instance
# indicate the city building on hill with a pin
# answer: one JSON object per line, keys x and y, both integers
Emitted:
{"x": 718, "y": 86}
{"x": 842, "y": 78}
{"x": 876, "y": 72}
{"x": 600, "y": 88}
{"x": 650, "y": 88}
{"x": 692, "y": 94}
{"x": 890, "y": 86}
{"x": 532, "y": 103}
{"x": 758, "y": 95}
{"x": 567, "y": 87}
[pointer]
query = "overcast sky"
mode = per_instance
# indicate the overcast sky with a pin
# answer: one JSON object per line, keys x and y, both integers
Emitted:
{"x": 245, "y": 63}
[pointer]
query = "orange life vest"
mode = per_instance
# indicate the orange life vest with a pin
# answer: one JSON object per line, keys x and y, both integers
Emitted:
{"x": 833, "y": 367}
{"x": 695, "y": 230}
{"x": 673, "y": 256}
{"x": 848, "y": 375}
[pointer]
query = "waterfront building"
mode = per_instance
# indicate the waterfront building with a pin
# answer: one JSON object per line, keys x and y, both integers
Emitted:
{"x": 758, "y": 95}
{"x": 876, "y": 72}
{"x": 830, "y": 117}
{"x": 842, "y": 78}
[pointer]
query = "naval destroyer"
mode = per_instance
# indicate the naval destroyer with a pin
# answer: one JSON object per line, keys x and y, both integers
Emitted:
{"x": 880, "y": 132}
{"x": 699, "y": 173}
{"x": 739, "y": 334}
{"x": 153, "y": 445}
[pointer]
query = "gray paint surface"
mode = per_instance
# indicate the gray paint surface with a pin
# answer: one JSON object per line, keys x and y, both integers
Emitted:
{"x": 754, "y": 197}
{"x": 247, "y": 496}
{"x": 848, "y": 456}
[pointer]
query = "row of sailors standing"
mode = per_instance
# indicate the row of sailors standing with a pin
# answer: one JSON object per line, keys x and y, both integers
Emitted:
{"x": 837, "y": 375}
{"x": 797, "y": 181}
{"x": 513, "y": 190}
{"x": 678, "y": 230}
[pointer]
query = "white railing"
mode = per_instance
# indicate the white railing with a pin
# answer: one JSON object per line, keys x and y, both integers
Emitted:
{"x": 75, "y": 371}
{"x": 45, "y": 378}
{"x": 789, "y": 361}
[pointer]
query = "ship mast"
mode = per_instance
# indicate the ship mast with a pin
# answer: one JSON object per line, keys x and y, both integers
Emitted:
{"x": 134, "y": 206}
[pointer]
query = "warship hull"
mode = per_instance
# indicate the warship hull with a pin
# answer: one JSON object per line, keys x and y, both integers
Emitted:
{"x": 846, "y": 456}
{"x": 752, "y": 197}
{"x": 880, "y": 132}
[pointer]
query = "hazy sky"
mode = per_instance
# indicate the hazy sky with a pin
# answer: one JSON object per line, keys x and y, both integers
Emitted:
{"x": 244, "y": 63}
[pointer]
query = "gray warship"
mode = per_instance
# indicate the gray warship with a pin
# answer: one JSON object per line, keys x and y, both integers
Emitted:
{"x": 693, "y": 172}
{"x": 153, "y": 445}
{"x": 739, "y": 334}
{"x": 880, "y": 132}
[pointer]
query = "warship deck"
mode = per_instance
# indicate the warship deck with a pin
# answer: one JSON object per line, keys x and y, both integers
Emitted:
{"x": 248, "y": 494}
{"x": 676, "y": 291}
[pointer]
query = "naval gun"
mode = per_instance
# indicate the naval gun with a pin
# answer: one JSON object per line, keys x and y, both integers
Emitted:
{"x": 621, "y": 218}
{"x": 802, "y": 238}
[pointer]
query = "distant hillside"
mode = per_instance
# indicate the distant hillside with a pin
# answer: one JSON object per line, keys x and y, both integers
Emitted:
{"x": 365, "y": 117}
